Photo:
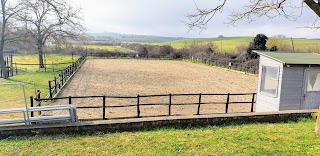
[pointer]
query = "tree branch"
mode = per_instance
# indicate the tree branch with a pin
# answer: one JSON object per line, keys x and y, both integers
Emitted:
{"x": 252, "y": 11}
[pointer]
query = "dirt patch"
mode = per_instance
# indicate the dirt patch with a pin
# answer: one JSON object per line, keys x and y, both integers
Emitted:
{"x": 117, "y": 77}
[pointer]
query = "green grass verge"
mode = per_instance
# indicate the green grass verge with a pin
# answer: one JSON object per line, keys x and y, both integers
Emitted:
{"x": 12, "y": 96}
{"x": 248, "y": 139}
{"x": 110, "y": 48}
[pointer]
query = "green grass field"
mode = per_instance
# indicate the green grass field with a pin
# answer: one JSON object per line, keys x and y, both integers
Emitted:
{"x": 12, "y": 96}
{"x": 229, "y": 44}
{"x": 293, "y": 138}
{"x": 110, "y": 48}
{"x": 50, "y": 60}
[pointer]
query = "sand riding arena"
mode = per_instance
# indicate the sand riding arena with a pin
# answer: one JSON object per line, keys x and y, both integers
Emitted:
{"x": 129, "y": 78}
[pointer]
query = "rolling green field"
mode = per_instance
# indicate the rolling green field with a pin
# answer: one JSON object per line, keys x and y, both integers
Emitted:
{"x": 293, "y": 138}
{"x": 229, "y": 44}
{"x": 110, "y": 48}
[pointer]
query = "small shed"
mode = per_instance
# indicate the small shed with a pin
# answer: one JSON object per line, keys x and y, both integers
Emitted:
{"x": 288, "y": 81}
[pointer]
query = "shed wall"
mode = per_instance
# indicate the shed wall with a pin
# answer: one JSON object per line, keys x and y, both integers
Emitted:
{"x": 292, "y": 88}
{"x": 266, "y": 103}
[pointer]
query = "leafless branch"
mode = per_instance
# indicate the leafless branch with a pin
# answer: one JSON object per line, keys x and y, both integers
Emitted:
{"x": 201, "y": 17}
{"x": 254, "y": 10}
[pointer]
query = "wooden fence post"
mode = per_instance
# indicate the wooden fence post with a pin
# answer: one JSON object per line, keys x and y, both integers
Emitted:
{"x": 62, "y": 78}
{"x": 228, "y": 101}
{"x": 15, "y": 64}
{"x": 199, "y": 104}
{"x": 170, "y": 103}
{"x": 104, "y": 108}
{"x": 70, "y": 102}
{"x": 55, "y": 84}
{"x": 31, "y": 105}
{"x": 252, "y": 102}
{"x": 59, "y": 82}
{"x": 138, "y": 106}
{"x": 50, "y": 93}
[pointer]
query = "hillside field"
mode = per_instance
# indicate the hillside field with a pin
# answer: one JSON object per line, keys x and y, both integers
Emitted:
{"x": 109, "y": 48}
{"x": 229, "y": 44}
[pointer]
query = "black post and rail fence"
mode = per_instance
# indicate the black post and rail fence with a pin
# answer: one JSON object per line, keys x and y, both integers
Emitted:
{"x": 55, "y": 85}
{"x": 104, "y": 106}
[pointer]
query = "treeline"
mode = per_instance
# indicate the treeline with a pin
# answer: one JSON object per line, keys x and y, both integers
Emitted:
{"x": 242, "y": 58}
{"x": 156, "y": 51}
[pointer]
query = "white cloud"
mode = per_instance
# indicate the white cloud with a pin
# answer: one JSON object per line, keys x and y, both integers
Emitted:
{"x": 163, "y": 17}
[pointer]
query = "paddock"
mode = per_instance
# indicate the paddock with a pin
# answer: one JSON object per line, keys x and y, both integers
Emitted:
{"x": 126, "y": 77}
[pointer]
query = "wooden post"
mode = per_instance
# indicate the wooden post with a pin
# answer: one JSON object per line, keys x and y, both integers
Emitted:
{"x": 104, "y": 108}
{"x": 59, "y": 81}
{"x": 50, "y": 93}
{"x": 70, "y": 102}
{"x": 199, "y": 104}
{"x": 62, "y": 78}
{"x": 55, "y": 84}
{"x": 138, "y": 106}
{"x": 227, "y": 104}
{"x": 11, "y": 64}
{"x": 38, "y": 94}
{"x": 15, "y": 64}
{"x": 31, "y": 105}
{"x": 170, "y": 103}
{"x": 252, "y": 102}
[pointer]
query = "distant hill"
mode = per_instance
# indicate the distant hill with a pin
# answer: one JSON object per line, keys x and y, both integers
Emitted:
{"x": 230, "y": 44}
{"x": 116, "y": 37}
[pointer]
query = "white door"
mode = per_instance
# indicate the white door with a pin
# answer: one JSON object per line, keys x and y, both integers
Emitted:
{"x": 312, "y": 89}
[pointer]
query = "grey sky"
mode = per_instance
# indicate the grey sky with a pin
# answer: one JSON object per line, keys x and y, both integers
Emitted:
{"x": 163, "y": 17}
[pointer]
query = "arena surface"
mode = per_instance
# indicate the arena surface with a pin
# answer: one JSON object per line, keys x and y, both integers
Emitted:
{"x": 126, "y": 77}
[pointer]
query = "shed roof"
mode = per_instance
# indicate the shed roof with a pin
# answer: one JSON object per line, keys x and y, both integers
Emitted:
{"x": 292, "y": 58}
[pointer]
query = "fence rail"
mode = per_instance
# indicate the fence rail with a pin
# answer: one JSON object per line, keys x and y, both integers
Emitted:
{"x": 221, "y": 62}
{"x": 57, "y": 83}
{"x": 169, "y": 103}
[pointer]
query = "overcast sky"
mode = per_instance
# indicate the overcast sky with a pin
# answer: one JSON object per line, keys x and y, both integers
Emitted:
{"x": 163, "y": 17}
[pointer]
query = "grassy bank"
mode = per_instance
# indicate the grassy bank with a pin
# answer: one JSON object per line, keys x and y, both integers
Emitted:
{"x": 248, "y": 139}
{"x": 34, "y": 79}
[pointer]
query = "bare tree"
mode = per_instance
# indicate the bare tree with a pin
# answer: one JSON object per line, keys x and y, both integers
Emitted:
{"x": 50, "y": 20}
{"x": 253, "y": 10}
{"x": 7, "y": 32}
